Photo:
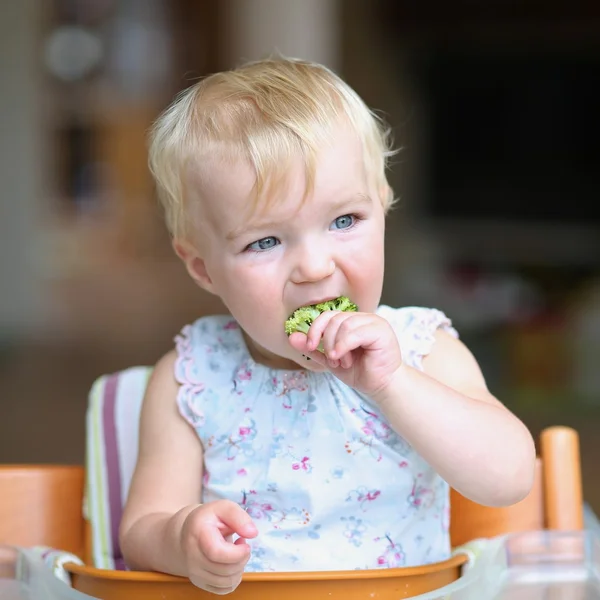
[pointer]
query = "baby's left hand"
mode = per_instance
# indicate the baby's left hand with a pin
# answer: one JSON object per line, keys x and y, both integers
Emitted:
{"x": 360, "y": 349}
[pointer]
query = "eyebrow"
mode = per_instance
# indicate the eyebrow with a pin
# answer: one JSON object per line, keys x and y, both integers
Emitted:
{"x": 258, "y": 225}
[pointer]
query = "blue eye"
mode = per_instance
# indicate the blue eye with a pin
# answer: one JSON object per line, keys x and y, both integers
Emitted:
{"x": 343, "y": 222}
{"x": 263, "y": 244}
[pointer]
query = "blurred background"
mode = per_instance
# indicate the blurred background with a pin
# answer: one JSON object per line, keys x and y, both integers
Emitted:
{"x": 495, "y": 106}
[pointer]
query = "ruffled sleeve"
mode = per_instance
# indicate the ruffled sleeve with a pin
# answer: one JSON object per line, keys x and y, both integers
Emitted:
{"x": 415, "y": 327}
{"x": 419, "y": 333}
{"x": 186, "y": 374}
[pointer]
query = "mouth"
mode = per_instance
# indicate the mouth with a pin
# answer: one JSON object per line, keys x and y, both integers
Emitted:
{"x": 321, "y": 300}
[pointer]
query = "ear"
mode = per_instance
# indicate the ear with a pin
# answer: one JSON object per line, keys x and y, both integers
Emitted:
{"x": 194, "y": 264}
{"x": 386, "y": 195}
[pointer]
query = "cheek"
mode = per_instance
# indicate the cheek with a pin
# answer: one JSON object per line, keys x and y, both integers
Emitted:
{"x": 369, "y": 256}
{"x": 254, "y": 277}
{"x": 250, "y": 289}
{"x": 231, "y": 274}
{"x": 368, "y": 272}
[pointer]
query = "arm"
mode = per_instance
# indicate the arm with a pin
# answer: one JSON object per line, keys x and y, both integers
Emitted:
{"x": 446, "y": 412}
{"x": 164, "y": 528}
{"x": 451, "y": 419}
{"x": 166, "y": 484}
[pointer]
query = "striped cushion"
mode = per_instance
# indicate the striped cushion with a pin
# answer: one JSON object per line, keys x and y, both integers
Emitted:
{"x": 111, "y": 452}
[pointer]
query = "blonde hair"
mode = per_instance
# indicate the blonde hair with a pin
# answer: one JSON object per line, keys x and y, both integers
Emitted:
{"x": 267, "y": 113}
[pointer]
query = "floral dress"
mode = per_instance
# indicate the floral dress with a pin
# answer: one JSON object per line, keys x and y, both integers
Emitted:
{"x": 326, "y": 480}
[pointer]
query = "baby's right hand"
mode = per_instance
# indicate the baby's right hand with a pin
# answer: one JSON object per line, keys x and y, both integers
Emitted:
{"x": 213, "y": 561}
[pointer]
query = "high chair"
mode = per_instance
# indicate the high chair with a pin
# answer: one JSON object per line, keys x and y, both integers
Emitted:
{"x": 42, "y": 505}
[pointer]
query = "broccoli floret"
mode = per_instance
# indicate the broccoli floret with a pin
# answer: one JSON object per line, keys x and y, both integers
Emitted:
{"x": 342, "y": 304}
{"x": 303, "y": 317}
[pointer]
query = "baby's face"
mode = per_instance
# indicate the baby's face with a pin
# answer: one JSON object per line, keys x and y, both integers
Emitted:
{"x": 266, "y": 263}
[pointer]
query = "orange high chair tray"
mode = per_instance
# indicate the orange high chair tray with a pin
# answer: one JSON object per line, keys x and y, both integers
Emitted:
{"x": 383, "y": 584}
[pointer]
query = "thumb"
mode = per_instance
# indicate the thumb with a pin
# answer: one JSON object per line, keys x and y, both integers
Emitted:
{"x": 234, "y": 519}
{"x": 298, "y": 342}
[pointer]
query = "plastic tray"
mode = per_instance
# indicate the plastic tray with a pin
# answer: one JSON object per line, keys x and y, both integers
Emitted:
{"x": 545, "y": 565}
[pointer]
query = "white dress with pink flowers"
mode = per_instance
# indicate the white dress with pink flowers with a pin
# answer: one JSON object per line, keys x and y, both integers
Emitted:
{"x": 328, "y": 483}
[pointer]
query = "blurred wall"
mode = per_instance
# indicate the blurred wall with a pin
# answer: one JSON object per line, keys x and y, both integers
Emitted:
{"x": 21, "y": 166}
{"x": 309, "y": 29}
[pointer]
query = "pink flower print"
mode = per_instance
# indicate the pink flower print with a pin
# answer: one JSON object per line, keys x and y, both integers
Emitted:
{"x": 403, "y": 464}
{"x": 297, "y": 381}
{"x": 230, "y": 325}
{"x": 363, "y": 496}
{"x": 205, "y": 478}
{"x": 242, "y": 441}
{"x": 420, "y": 496}
{"x": 374, "y": 430}
{"x": 357, "y": 444}
{"x": 244, "y": 375}
{"x": 393, "y": 555}
{"x": 297, "y": 515}
{"x": 260, "y": 510}
{"x": 375, "y": 427}
{"x": 303, "y": 465}
{"x": 253, "y": 507}
{"x": 242, "y": 472}
{"x": 241, "y": 377}
{"x": 289, "y": 383}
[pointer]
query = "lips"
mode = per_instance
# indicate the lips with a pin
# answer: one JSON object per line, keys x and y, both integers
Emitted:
{"x": 320, "y": 300}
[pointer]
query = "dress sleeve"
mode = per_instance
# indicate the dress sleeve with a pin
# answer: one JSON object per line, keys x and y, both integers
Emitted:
{"x": 190, "y": 384}
{"x": 418, "y": 337}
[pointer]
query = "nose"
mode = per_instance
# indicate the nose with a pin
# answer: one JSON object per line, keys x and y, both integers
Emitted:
{"x": 314, "y": 262}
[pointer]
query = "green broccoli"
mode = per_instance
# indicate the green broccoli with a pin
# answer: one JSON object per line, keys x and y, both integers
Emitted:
{"x": 303, "y": 317}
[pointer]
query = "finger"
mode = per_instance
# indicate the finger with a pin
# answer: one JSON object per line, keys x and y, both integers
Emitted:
{"x": 216, "y": 585}
{"x": 220, "y": 569}
{"x": 338, "y": 329}
{"x": 348, "y": 340}
{"x": 229, "y": 569}
{"x": 217, "y": 549}
{"x": 224, "y": 582}
{"x": 234, "y": 519}
{"x": 318, "y": 327}
{"x": 331, "y": 331}
{"x": 347, "y": 360}
{"x": 217, "y": 591}
{"x": 298, "y": 341}
{"x": 240, "y": 541}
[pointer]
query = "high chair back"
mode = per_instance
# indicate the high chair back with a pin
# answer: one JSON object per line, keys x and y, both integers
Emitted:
{"x": 41, "y": 505}
{"x": 112, "y": 421}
